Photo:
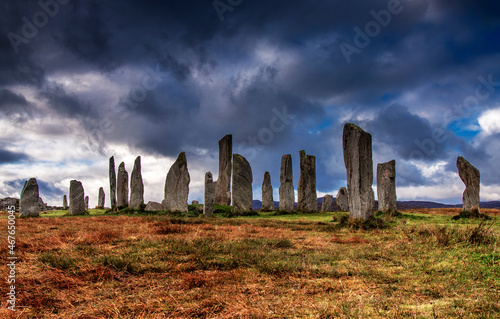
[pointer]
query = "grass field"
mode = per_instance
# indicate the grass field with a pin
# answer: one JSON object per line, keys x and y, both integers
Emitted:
{"x": 421, "y": 265}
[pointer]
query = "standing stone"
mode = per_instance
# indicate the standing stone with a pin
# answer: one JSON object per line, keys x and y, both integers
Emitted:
{"x": 29, "y": 204}
{"x": 327, "y": 205}
{"x": 242, "y": 185}
{"x": 470, "y": 176}
{"x": 43, "y": 206}
{"x": 209, "y": 198}
{"x": 136, "y": 186}
{"x": 342, "y": 200}
{"x": 223, "y": 185}
{"x": 195, "y": 202}
{"x": 177, "y": 186}
{"x": 102, "y": 197}
{"x": 76, "y": 198}
{"x": 65, "y": 202}
{"x": 267, "y": 194}
{"x": 112, "y": 182}
{"x": 86, "y": 203}
{"x": 306, "y": 192}
{"x": 122, "y": 186}
{"x": 386, "y": 187}
{"x": 357, "y": 146}
{"x": 287, "y": 196}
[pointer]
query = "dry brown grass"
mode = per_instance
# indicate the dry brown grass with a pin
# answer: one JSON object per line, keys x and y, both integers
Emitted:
{"x": 157, "y": 267}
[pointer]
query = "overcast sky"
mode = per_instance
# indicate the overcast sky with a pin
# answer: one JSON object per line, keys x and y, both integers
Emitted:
{"x": 81, "y": 81}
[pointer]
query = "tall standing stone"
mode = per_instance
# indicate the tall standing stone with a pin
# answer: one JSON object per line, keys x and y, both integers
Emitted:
{"x": 357, "y": 146}
{"x": 342, "y": 200}
{"x": 29, "y": 203}
{"x": 65, "y": 202}
{"x": 386, "y": 187}
{"x": 136, "y": 186}
{"x": 76, "y": 198}
{"x": 327, "y": 205}
{"x": 177, "y": 186}
{"x": 122, "y": 186}
{"x": 242, "y": 185}
{"x": 471, "y": 178}
{"x": 223, "y": 184}
{"x": 306, "y": 192}
{"x": 112, "y": 182}
{"x": 209, "y": 198}
{"x": 101, "y": 199}
{"x": 86, "y": 203}
{"x": 287, "y": 196}
{"x": 267, "y": 193}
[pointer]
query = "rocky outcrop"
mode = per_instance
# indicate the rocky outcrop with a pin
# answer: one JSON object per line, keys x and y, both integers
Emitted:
{"x": 357, "y": 146}
{"x": 153, "y": 207}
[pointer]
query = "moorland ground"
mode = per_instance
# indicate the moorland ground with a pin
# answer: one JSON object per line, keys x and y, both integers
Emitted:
{"x": 422, "y": 264}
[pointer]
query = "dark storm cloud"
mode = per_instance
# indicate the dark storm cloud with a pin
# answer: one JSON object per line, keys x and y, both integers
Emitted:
{"x": 214, "y": 82}
{"x": 409, "y": 135}
{"x": 12, "y": 103}
{"x": 64, "y": 104}
{"x": 45, "y": 189}
{"x": 11, "y": 157}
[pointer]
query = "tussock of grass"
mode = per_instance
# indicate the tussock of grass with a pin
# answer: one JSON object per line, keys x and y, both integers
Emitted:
{"x": 473, "y": 213}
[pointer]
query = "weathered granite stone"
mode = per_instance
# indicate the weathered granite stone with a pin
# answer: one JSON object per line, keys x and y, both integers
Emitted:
{"x": 76, "y": 198}
{"x": 29, "y": 205}
{"x": 8, "y": 203}
{"x": 223, "y": 184}
{"x": 65, "y": 202}
{"x": 327, "y": 205}
{"x": 101, "y": 199}
{"x": 177, "y": 186}
{"x": 287, "y": 196}
{"x": 136, "y": 186}
{"x": 122, "y": 186}
{"x": 43, "y": 206}
{"x": 209, "y": 197}
{"x": 112, "y": 182}
{"x": 306, "y": 191}
{"x": 242, "y": 185}
{"x": 195, "y": 202}
{"x": 154, "y": 207}
{"x": 86, "y": 203}
{"x": 386, "y": 187}
{"x": 267, "y": 194}
{"x": 357, "y": 146}
{"x": 471, "y": 178}
{"x": 342, "y": 200}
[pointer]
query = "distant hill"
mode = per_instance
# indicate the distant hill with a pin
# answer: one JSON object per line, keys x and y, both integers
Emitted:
{"x": 257, "y": 204}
